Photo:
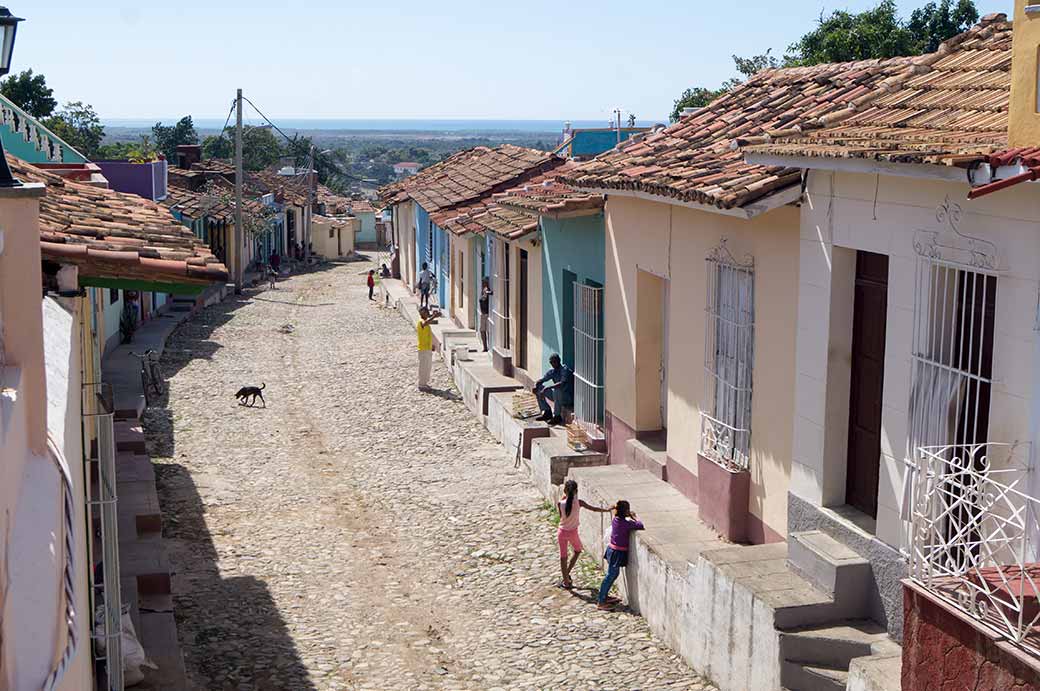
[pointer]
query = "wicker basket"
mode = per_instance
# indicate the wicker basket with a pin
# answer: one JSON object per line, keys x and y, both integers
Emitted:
{"x": 525, "y": 405}
{"x": 577, "y": 437}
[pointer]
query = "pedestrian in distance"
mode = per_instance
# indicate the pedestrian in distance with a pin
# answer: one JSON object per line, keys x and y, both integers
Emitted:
{"x": 425, "y": 285}
{"x": 425, "y": 346}
{"x": 371, "y": 283}
{"x": 559, "y": 393}
{"x": 485, "y": 304}
{"x": 616, "y": 554}
{"x": 570, "y": 512}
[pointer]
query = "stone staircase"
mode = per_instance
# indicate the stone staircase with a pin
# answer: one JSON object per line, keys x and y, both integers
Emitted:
{"x": 818, "y": 655}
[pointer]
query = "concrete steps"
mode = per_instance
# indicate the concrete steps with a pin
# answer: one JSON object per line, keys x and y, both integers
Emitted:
{"x": 129, "y": 437}
{"x": 552, "y": 460}
{"x": 831, "y": 645}
{"x": 648, "y": 455}
{"x": 835, "y": 569}
{"x": 798, "y": 677}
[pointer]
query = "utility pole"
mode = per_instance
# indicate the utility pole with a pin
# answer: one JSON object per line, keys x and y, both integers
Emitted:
{"x": 311, "y": 188}
{"x": 239, "y": 253}
{"x": 617, "y": 112}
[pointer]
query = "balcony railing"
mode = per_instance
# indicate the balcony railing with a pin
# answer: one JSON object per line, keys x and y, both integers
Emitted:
{"x": 31, "y": 141}
{"x": 973, "y": 536}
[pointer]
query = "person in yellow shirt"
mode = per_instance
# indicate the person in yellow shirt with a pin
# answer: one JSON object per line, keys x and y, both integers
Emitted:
{"x": 425, "y": 336}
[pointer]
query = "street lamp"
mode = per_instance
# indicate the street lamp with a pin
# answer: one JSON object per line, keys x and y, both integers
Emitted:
{"x": 9, "y": 26}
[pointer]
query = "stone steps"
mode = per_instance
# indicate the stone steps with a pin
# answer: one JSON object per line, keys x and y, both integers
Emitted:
{"x": 831, "y": 645}
{"x": 835, "y": 569}
{"x": 648, "y": 455}
{"x": 799, "y": 677}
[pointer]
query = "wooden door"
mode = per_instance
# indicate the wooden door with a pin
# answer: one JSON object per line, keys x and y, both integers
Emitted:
{"x": 868, "y": 375}
{"x": 521, "y": 327}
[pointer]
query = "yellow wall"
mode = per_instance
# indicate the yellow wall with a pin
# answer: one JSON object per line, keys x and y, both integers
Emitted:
{"x": 648, "y": 239}
{"x": 1023, "y": 119}
{"x": 463, "y": 310}
{"x": 533, "y": 333}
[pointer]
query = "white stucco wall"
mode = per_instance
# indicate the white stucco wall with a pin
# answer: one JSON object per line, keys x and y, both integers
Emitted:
{"x": 841, "y": 212}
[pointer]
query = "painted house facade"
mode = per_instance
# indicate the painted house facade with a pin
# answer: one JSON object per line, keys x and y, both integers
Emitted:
{"x": 916, "y": 396}
{"x": 70, "y": 240}
{"x": 701, "y": 297}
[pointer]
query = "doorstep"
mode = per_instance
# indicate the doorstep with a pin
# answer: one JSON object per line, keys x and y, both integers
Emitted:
{"x": 511, "y": 431}
{"x": 477, "y": 380}
{"x": 552, "y": 459}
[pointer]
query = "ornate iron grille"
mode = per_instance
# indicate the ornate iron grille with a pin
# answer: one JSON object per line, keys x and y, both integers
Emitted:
{"x": 729, "y": 353}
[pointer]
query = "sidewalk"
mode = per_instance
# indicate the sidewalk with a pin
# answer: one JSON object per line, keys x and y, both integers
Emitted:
{"x": 736, "y": 613}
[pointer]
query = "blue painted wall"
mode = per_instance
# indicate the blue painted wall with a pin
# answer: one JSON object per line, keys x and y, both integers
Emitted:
{"x": 367, "y": 233}
{"x": 578, "y": 246}
{"x": 595, "y": 142}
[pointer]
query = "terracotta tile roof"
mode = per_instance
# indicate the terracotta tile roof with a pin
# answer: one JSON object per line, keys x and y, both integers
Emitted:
{"x": 694, "y": 160}
{"x": 515, "y": 212}
{"x": 547, "y": 195}
{"x": 335, "y": 204}
{"x": 221, "y": 166}
{"x": 361, "y": 206}
{"x": 110, "y": 234}
{"x": 289, "y": 188}
{"x": 212, "y": 203}
{"x": 469, "y": 175}
{"x": 950, "y": 108}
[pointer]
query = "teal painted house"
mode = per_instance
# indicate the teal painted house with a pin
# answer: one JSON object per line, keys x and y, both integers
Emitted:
{"x": 366, "y": 213}
{"x": 23, "y": 136}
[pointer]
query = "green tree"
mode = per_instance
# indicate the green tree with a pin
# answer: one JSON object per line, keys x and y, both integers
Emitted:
{"x": 699, "y": 96}
{"x": 260, "y": 148}
{"x": 168, "y": 138}
{"x": 696, "y": 97}
{"x": 222, "y": 146}
{"x": 880, "y": 33}
{"x": 933, "y": 24}
{"x": 79, "y": 125}
{"x": 30, "y": 92}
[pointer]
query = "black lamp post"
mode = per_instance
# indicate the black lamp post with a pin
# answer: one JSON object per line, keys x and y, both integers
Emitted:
{"x": 8, "y": 27}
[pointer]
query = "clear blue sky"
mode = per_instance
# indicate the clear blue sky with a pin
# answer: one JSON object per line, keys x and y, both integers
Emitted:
{"x": 402, "y": 58}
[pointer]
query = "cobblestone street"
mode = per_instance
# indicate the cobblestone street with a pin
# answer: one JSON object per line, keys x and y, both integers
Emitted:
{"x": 355, "y": 533}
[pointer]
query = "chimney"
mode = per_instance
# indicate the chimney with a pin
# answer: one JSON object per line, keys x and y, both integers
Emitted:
{"x": 188, "y": 154}
{"x": 1024, "y": 110}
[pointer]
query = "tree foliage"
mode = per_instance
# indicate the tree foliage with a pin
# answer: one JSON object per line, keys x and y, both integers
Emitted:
{"x": 79, "y": 125}
{"x": 30, "y": 92}
{"x": 881, "y": 33}
{"x": 218, "y": 146}
{"x": 844, "y": 36}
{"x": 168, "y": 138}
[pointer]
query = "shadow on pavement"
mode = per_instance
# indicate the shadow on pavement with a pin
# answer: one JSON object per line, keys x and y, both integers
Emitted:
{"x": 230, "y": 629}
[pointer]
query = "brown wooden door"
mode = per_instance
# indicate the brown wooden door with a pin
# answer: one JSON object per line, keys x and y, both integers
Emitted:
{"x": 868, "y": 376}
{"x": 521, "y": 327}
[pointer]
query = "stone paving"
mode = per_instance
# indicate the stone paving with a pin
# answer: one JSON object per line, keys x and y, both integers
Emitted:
{"x": 356, "y": 533}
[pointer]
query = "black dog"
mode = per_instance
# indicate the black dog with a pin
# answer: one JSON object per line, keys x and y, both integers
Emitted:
{"x": 250, "y": 391}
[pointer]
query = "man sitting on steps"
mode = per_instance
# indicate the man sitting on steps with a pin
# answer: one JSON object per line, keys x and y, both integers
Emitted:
{"x": 560, "y": 392}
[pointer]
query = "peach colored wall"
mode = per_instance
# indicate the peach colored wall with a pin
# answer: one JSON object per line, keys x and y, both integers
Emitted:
{"x": 464, "y": 311}
{"x": 405, "y": 224}
{"x": 841, "y": 212}
{"x": 22, "y": 326}
{"x": 672, "y": 242}
{"x": 535, "y": 342}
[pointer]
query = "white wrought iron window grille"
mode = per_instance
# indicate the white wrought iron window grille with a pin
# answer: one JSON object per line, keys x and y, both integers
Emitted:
{"x": 106, "y": 598}
{"x": 588, "y": 355}
{"x": 971, "y": 518}
{"x": 729, "y": 353}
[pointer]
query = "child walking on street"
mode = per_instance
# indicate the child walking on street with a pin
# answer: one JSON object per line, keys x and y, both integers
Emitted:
{"x": 621, "y": 527}
{"x": 570, "y": 510}
{"x": 371, "y": 283}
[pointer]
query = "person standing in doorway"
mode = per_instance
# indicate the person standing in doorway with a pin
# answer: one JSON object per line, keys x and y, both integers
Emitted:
{"x": 485, "y": 306}
{"x": 425, "y": 285}
{"x": 425, "y": 338}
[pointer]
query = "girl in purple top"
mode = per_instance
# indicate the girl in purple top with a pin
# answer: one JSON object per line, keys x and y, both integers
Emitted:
{"x": 624, "y": 523}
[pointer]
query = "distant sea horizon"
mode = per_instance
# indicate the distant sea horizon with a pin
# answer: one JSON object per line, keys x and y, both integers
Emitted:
{"x": 388, "y": 124}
